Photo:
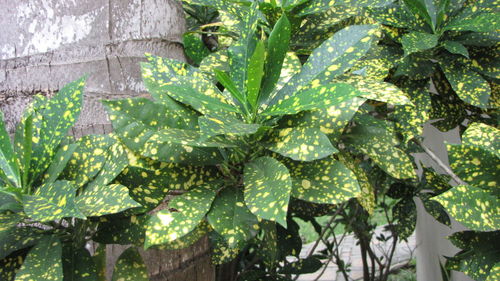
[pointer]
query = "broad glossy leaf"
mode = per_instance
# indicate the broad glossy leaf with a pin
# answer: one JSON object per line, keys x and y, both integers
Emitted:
{"x": 241, "y": 51}
{"x": 229, "y": 85}
{"x": 9, "y": 168}
{"x": 320, "y": 5}
{"x": 447, "y": 107}
{"x": 267, "y": 189}
{"x": 10, "y": 265}
{"x": 335, "y": 56}
{"x": 135, "y": 119}
{"x": 436, "y": 210}
{"x": 149, "y": 185}
{"x": 301, "y": 144}
{"x": 475, "y": 165}
{"x": 186, "y": 138}
{"x": 187, "y": 240}
{"x": 194, "y": 47}
{"x": 23, "y": 141}
{"x": 456, "y": 48}
{"x": 59, "y": 162}
{"x": 78, "y": 264}
{"x": 366, "y": 196}
{"x": 221, "y": 252}
{"x": 484, "y": 136}
{"x": 436, "y": 182}
{"x": 130, "y": 267}
{"x": 419, "y": 8}
{"x": 18, "y": 238}
{"x": 231, "y": 218}
{"x": 325, "y": 181}
{"x": 268, "y": 250}
{"x": 98, "y": 200}
{"x": 479, "y": 22}
{"x": 213, "y": 126}
{"x": 43, "y": 262}
{"x": 418, "y": 41}
{"x": 52, "y": 201}
{"x": 117, "y": 229}
{"x": 302, "y": 266}
{"x": 376, "y": 138}
{"x": 475, "y": 208}
{"x": 99, "y": 258}
{"x": 406, "y": 214}
{"x": 255, "y": 73}
{"x": 218, "y": 60}
{"x": 320, "y": 96}
{"x": 331, "y": 120}
{"x": 479, "y": 258}
{"x": 291, "y": 66}
{"x": 167, "y": 226}
{"x": 469, "y": 85}
{"x": 116, "y": 161}
{"x": 59, "y": 114}
{"x": 278, "y": 44}
{"x": 378, "y": 62}
{"x": 377, "y": 90}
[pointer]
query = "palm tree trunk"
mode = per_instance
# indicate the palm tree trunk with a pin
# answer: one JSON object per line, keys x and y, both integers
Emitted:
{"x": 45, "y": 44}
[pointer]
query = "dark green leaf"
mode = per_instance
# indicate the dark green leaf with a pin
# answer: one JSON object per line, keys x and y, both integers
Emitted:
{"x": 60, "y": 160}
{"x": 194, "y": 47}
{"x": 474, "y": 207}
{"x": 18, "y": 238}
{"x": 213, "y": 126}
{"x": 456, "y": 48}
{"x": 278, "y": 43}
{"x": 418, "y": 41}
{"x": 121, "y": 230}
{"x": 302, "y": 266}
{"x": 78, "y": 264}
{"x": 483, "y": 22}
{"x": 228, "y": 84}
{"x": 255, "y": 73}
{"x": 167, "y": 226}
{"x": 9, "y": 169}
{"x": 325, "y": 181}
{"x": 130, "y": 267}
{"x": 52, "y": 201}
{"x": 484, "y": 136}
{"x": 267, "y": 189}
{"x": 231, "y": 218}
{"x": 406, "y": 214}
{"x": 99, "y": 200}
{"x": 301, "y": 144}
{"x": 420, "y": 9}
{"x": 43, "y": 262}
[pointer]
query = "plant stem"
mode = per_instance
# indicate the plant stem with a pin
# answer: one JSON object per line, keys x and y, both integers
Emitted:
{"x": 440, "y": 163}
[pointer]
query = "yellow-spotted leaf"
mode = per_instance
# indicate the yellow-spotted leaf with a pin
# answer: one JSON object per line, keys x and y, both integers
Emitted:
{"x": 213, "y": 126}
{"x": 479, "y": 257}
{"x": 130, "y": 267}
{"x": 366, "y": 196}
{"x": 9, "y": 169}
{"x": 190, "y": 208}
{"x": 18, "y": 238}
{"x": 88, "y": 159}
{"x": 418, "y": 41}
{"x": 301, "y": 144}
{"x": 134, "y": 120}
{"x": 78, "y": 264}
{"x": 221, "y": 252}
{"x": 335, "y": 56}
{"x": 187, "y": 137}
{"x": 116, "y": 161}
{"x": 482, "y": 135}
{"x": 475, "y": 208}
{"x": 10, "y": 265}
{"x": 62, "y": 157}
{"x": 52, "y": 201}
{"x": 320, "y": 96}
{"x": 123, "y": 230}
{"x": 149, "y": 185}
{"x": 8, "y": 220}
{"x": 231, "y": 218}
{"x": 377, "y": 90}
{"x": 470, "y": 86}
{"x": 456, "y": 48}
{"x": 376, "y": 138}
{"x": 59, "y": 114}
{"x": 325, "y": 181}
{"x": 218, "y": 60}
{"x": 43, "y": 262}
{"x": 320, "y": 5}
{"x": 291, "y": 66}
{"x": 98, "y": 200}
{"x": 331, "y": 120}
{"x": 475, "y": 165}
{"x": 267, "y": 189}
{"x": 187, "y": 240}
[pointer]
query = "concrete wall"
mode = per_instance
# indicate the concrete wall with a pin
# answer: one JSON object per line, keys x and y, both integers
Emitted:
{"x": 431, "y": 241}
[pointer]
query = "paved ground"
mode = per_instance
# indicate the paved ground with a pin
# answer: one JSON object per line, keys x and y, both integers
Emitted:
{"x": 351, "y": 254}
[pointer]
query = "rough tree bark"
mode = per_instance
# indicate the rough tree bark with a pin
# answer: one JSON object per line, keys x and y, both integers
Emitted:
{"x": 45, "y": 44}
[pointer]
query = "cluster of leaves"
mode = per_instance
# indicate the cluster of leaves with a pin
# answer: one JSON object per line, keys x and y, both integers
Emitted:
{"x": 441, "y": 55}
{"x": 53, "y": 192}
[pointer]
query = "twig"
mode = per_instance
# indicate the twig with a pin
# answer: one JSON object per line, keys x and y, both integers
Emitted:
{"x": 440, "y": 163}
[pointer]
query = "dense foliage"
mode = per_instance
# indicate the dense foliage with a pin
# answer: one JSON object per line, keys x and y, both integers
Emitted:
{"x": 290, "y": 109}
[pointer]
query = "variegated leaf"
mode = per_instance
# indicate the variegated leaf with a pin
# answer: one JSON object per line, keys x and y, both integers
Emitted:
{"x": 475, "y": 208}
{"x": 167, "y": 226}
{"x": 43, "y": 262}
{"x": 213, "y": 126}
{"x": 231, "y": 218}
{"x": 130, "y": 267}
{"x": 267, "y": 189}
{"x": 98, "y": 200}
{"x": 301, "y": 144}
{"x": 78, "y": 264}
{"x": 484, "y": 136}
{"x": 52, "y": 201}
{"x": 9, "y": 169}
{"x": 325, "y": 181}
